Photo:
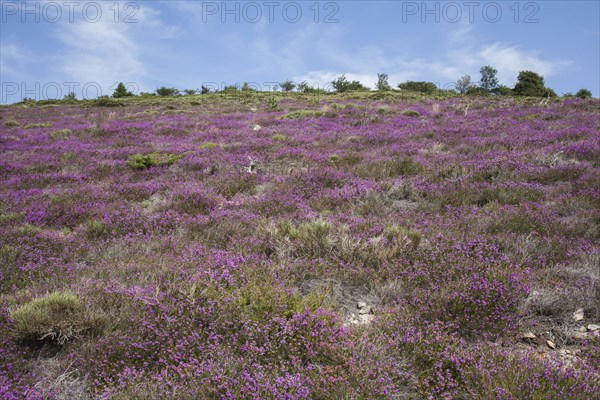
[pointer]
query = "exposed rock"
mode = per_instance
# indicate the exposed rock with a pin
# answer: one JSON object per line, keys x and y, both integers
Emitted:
{"x": 582, "y": 329}
{"x": 528, "y": 337}
{"x": 578, "y": 315}
{"x": 593, "y": 327}
{"x": 551, "y": 344}
{"x": 365, "y": 314}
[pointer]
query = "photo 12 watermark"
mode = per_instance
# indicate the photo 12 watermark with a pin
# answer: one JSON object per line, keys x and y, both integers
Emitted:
{"x": 70, "y": 11}
{"x": 14, "y": 92}
{"x": 470, "y": 11}
{"x": 253, "y": 12}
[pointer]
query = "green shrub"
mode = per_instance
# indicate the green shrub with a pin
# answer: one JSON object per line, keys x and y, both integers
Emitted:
{"x": 60, "y": 134}
{"x": 106, "y": 101}
{"x": 165, "y": 91}
{"x": 584, "y": 94}
{"x": 96, "y": 229}
{"x": 342, "y": 84}
{"x": 121, "y": 91}
{"x": 305, "y": 114}
{"x": 56, "y": 318}
{"x": 422, "y": 87}
{"x": 287, "y": 86}
{"x": 40, "y": 125}
{"x": 143, "y": 161}
{"x": 389, "y": 168}
{"x": 11, "y": 122}
{"x": 410, "y": 113}
{"x": 531, "y": 84}
{"x": 208, "y": 145}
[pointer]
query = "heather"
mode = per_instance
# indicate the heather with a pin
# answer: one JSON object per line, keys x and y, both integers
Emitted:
{"x": 300, "y": 246}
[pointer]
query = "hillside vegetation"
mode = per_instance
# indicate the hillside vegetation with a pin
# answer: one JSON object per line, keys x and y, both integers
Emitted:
{"x": 300, "y": 246}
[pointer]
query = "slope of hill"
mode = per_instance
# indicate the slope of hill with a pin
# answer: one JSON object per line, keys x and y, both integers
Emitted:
{"x": 300, "y": 246}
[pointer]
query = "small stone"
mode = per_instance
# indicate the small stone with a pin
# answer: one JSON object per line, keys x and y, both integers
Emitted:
{"x": 593, "y": 327}
{"x": 551, "y": 344}
{"x": 361, "y": 304}
{"x": 578, "y": 315}
{"x": 528, "y": 336}
{"x": 582, "y": 329}
{"x": 365, "y": 319}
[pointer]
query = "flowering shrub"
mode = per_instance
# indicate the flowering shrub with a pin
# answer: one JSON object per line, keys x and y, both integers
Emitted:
{"x": 358, "y": 245}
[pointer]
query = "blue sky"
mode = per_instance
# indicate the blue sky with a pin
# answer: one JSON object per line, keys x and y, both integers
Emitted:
{"x": 47, "y": 47}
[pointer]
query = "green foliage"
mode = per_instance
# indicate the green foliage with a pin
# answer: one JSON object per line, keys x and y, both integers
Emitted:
{"x": 421, "y": 87}
{"x": 584, "y": 94}
{"x": 69, "y": 97}
{"x": 95, "y": 229}
{"x": 304, "y": 87}
{"x": 165, "y": 91}
{"x": 488, "y": 81}
{"x": 382, "y": 83}
{"x": 105, "y": 101}
{"x": 230, "y": 89}
{"x": 204, "y": 90}
{"x": 463, "y": 84}
{"x": 121, "y": 91}
{"x": 56, "y": 318}
{"x": 246, "y": 87}
{"x": 208, "y": 145}
{"x": 410, "y": 113}
{"x": 531, "y": 84}
{"x": 11, "y": 122}
{"x": 143, "y": 161}
{"x": 305, "y": 114}
{"x": 342, "y": 84}
{"x": 38, "y": 125}
{"x": 503, "y": 90}
{"x": 60, "y": 134}
{"x": 190, "y": 92}
{"x": 287, "y": 86}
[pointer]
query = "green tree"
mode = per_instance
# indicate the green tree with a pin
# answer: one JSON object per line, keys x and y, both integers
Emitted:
{"x": 287, "y": 86}
{"x": 488, "y": 81}
{"x": 121, "y": 91}
{"x": 190, "y": 92}
{"x": 342, "y": 84}
{"x": 584, "y": 94}
{"x": 422, "y": 87}
{"x": 204, "y": 90}
{"x": 71, "y": 96}
{"x": 530, "y": 83}
{"x": 463, "y": 84}
{"x": 382, "y": 83}
{"x": 503, "y": 90}
{"x": 165, "y": 91}
{"x": 247, "y": 88}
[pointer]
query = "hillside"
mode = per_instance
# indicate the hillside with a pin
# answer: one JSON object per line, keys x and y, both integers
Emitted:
{"x": 300, "y": 246}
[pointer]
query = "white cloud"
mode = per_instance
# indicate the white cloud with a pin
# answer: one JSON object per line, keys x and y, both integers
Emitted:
{"x": 12, "y": 58}
{"x": 107, "y": 52}
{"x": 461, "y": 58}
{"x": 510, "y": 60}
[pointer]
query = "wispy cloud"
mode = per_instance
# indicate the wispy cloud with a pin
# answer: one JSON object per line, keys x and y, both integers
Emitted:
{"x": 462, "y": 55}
{"x": 107, "y": 52}
{"x": 12, "y": 59}
{"x": 509, "y": 60}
